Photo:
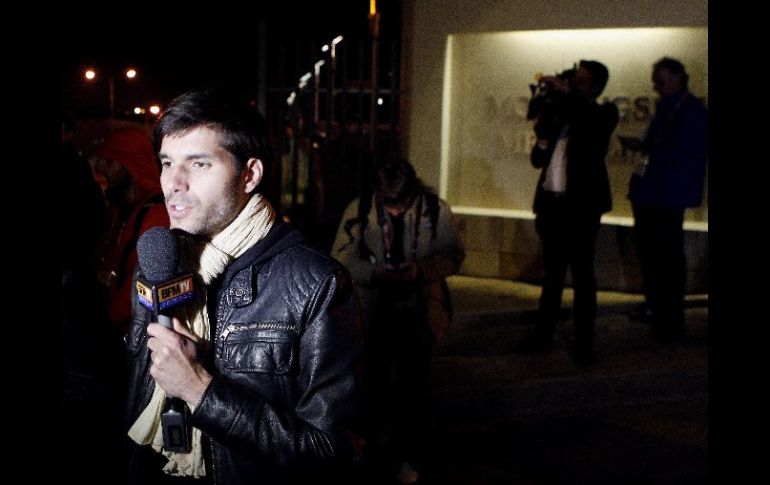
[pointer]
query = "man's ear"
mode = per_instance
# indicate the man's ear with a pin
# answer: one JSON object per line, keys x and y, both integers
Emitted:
{"x": 252, "y": 174}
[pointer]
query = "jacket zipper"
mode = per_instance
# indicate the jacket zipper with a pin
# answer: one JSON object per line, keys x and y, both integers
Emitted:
{"x": 213, "y": 462}
{"x": 243, "y": 326}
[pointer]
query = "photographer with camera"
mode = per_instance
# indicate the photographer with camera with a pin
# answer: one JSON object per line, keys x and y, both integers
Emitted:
{"x": 573, "y": 191}
{"x": 549, "y": 103}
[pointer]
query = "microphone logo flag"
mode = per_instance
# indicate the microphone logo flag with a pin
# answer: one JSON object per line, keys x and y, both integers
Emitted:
{"x": 167, "y": 294}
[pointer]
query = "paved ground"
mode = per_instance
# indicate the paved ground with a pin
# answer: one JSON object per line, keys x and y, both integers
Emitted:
{"x": 639, "y": 416}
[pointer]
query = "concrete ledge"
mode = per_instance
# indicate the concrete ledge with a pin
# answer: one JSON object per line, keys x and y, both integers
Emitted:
{"x": 508, "y": 247}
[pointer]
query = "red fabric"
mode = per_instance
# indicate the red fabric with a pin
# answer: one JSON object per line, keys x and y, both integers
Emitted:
{"x": 132, "y": 147}
{"x": 120, "y": 289}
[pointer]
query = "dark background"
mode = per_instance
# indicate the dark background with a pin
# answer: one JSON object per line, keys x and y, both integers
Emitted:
{"x": 178, "y": 51}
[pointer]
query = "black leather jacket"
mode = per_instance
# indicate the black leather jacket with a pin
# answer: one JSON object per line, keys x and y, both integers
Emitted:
{"x": 286, "y": 340}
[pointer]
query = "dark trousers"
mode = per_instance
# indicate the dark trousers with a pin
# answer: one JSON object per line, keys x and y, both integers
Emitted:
{"x": 659, "y": 238}
{"x": 399, "y": 351}
{"x": 568, "y": 237}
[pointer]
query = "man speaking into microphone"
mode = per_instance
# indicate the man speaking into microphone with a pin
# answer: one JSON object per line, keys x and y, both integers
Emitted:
{"x": 263, "y": 353}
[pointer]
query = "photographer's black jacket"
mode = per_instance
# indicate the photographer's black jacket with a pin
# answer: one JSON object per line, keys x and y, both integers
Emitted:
{"x": 286, "y": 339}
{"x": 590, "y": 128}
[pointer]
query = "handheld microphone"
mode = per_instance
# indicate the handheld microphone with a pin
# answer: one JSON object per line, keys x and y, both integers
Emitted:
{"x": 159, "y": 291}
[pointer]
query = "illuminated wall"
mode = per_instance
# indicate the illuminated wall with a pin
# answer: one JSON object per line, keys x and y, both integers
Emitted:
{"x": 466, "y": 67}
{"x": 486, "y": 136}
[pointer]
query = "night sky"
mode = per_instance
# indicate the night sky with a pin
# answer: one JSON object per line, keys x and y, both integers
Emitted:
{"x": 163, "y": 70}
{"x": 195, "y": 50}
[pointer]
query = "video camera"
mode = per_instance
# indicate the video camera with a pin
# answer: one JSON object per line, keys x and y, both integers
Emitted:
{"x": 546, "y": 99}
{"x": 550, "y": 106}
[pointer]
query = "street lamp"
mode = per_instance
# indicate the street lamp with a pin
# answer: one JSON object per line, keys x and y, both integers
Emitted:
{"x": 332, "y": 76}
{"x": 374, "y": 31}
{"x": 90, "y": 75}
{"x": 317, "y": 86}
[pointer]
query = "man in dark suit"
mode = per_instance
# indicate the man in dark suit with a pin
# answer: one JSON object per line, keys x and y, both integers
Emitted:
{"x": 573, "y": 191}
{"x": 672, "y": 179}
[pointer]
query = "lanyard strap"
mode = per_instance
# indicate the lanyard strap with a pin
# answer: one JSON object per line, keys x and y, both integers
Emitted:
{"x": 387, "y": 236}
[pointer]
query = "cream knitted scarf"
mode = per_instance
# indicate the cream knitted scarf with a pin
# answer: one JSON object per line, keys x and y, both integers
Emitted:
{"x": 206, "y": 260}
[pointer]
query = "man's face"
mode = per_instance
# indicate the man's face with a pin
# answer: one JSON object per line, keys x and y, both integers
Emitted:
{"x": 665, "y": 83}
{"x": 203, "y": 187}
{"x": 584, "y": 82}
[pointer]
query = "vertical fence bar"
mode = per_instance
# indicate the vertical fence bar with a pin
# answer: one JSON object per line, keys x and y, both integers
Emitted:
{"x": 395, "y": 93}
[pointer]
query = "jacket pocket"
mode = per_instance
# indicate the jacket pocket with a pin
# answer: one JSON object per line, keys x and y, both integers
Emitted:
{"x": 262, "y": 347}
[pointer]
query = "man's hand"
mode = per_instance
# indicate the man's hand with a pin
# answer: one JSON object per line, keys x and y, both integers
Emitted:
{"x": 630, "y": 143}
{"x": 385, "y": 273}
{"x": 176, "y": 365}
{"x": 555, "y": 83}
{"x": 407, "y": 271}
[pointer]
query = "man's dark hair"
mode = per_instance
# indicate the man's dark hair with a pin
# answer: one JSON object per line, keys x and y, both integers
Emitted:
{"x": 240, "y": 123}
{"x": 396, "y": 182}
{"x": 674, "y": 67}
{"x": 599, "y": 75}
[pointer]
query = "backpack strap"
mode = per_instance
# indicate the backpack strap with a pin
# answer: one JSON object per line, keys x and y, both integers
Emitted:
{"x": 362, "y": 219}
{"x": 431, "y": 200}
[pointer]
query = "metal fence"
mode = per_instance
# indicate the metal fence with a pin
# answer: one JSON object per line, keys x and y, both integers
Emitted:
{"x": 333, "y": 123}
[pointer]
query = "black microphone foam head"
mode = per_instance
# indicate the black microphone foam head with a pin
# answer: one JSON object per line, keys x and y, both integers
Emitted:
{"x": 158, "y": 253}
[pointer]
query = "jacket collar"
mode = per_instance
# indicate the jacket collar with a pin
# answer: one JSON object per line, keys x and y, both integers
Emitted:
{"x": 238, "y": 278}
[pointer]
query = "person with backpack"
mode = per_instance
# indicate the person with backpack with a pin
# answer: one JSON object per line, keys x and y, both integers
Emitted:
{"x": 400, "y": 245}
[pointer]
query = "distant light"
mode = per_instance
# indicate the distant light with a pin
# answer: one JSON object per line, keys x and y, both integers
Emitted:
{"x": 318, "y": 66}
{"x": 335, "y": 41}
{"x": 154, "y": 109}
{"x": 90, "y": 74}
{"x": 290, "y": 99}
{"x": 137, "y": 110}
{"x": 324, "y": 47}
{"x": 304, "y": 79}
{"x": 131, "y": 73}
{"x": 379, "y": 101}
{"x": 372, "y": 7}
